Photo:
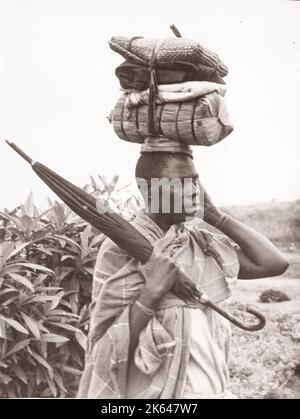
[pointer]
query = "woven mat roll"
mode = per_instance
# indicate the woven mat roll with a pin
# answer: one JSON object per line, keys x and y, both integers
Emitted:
{"x": 140, "y": 50}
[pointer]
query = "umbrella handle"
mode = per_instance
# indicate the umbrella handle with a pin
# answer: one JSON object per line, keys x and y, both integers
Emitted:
{"x": 20, "y": 152}
{"x": 190, "y": 293}
{"x": 250, "y": 328}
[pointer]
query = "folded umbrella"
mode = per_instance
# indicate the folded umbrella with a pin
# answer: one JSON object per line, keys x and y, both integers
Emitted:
{"x": 123, "y": 234}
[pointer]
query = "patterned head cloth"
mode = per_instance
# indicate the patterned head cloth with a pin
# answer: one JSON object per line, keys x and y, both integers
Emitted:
{"x": 163, "y": 144}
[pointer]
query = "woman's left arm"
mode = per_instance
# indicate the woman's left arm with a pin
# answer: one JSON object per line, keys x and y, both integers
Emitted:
{"x": 258, "y": 257}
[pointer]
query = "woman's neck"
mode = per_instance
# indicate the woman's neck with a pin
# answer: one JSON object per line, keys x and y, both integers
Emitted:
{"x": 163, "y": 223}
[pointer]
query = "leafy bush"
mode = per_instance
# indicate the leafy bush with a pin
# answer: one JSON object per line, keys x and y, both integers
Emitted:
{"x": 46, "y": 268}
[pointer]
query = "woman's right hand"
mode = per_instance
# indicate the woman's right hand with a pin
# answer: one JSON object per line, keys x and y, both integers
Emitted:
{"x": 160, "y": 274}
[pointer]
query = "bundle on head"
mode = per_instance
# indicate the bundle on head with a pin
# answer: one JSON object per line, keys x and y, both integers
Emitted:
{"x": 151, "y": 63}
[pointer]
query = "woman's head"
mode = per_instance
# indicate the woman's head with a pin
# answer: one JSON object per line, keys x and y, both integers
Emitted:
{"x": 169, "y": 184}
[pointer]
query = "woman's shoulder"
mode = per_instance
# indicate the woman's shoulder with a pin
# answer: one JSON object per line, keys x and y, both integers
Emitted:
{"x": 110, "y": 257}
{"x": 109, "y": 245}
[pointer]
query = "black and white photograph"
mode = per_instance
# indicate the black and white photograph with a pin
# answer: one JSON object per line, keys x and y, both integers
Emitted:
{"x": 149, "y": 202}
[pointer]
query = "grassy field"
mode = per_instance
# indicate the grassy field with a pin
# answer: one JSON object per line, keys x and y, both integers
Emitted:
{"x": 294, "y": 268}
{"x": 279, "y": 221}
{"x": 266, "y": 364}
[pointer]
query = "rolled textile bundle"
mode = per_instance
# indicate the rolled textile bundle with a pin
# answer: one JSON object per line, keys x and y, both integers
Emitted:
{"x": 136, "y": 76}
{"x": 200, "y": 121}
{"x": 149, "y": 51}
{"x": 177, "y": 92}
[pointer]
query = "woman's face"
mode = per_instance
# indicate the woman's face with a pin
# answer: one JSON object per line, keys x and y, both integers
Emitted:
{"x": 176, "y": 194}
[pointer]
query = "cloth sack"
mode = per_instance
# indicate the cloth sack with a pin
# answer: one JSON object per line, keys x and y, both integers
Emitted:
{"x": 179, "y": 92}
{"x": 135, "y": 76}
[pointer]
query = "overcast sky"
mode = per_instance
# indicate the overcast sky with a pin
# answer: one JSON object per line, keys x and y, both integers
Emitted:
{"x": 57, "y": 87}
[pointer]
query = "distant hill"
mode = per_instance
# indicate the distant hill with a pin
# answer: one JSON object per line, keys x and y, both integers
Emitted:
{"x": 279, "y": 221}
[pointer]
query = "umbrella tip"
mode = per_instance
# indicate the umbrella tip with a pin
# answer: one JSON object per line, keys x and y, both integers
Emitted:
{"x": 20, "y": 152}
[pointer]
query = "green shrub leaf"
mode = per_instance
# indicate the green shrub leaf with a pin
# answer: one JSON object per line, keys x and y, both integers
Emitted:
{"x": 32, "y": 325}
{"x": 54, "y": 338}
{"x": 22, "y": 280}
{"x": 18, "y": 347}
{"x": 16, "y": 325}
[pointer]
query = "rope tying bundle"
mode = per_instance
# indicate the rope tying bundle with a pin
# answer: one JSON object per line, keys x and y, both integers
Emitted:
{"x": 153, "y": 87}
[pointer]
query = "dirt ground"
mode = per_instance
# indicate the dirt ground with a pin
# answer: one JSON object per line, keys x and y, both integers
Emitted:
{"x": 266, "y": 364}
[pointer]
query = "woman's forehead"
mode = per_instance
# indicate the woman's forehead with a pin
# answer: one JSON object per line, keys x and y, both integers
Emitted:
{"x": 179, "y": 168}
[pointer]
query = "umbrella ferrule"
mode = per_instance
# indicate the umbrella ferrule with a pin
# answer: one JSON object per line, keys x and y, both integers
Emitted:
{"x": 20, "y": 152}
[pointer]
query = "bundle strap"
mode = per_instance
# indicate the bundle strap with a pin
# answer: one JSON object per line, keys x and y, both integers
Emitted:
{"x": 153, "y": 90}
{"x": 153, "y": 128}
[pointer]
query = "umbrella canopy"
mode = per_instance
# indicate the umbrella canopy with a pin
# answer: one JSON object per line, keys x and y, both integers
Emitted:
{"x": 122, "y": 233}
